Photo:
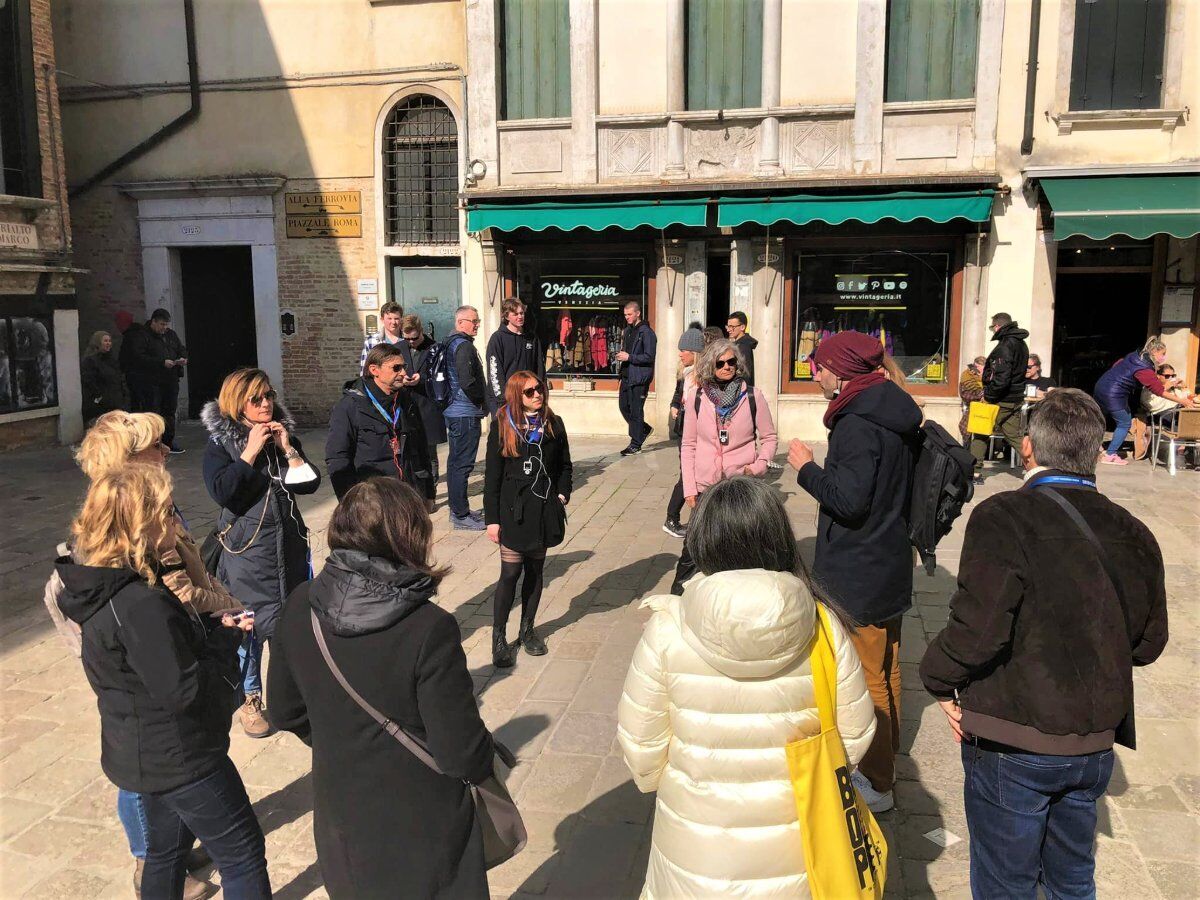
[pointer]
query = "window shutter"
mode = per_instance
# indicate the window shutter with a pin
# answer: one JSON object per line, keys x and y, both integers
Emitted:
{"x": 537, "y": 59}
{"x": 1118, "y": 54}
{"x": 932, "y": 47}
{"x": 724, "y": 54}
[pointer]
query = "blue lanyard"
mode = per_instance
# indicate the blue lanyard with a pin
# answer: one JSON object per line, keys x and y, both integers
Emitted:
{"x": 534, "y": 435}
{"x": 394, "y": 418}
{"x": 1063, "y": 479}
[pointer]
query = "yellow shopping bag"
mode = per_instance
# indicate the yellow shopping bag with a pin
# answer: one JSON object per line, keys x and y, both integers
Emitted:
{"x": 981, "y": 417}
{"x": 844, "y": 850}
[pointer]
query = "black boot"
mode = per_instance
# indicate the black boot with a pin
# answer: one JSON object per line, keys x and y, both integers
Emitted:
{"x": 502, "y": 651}
{"x": 533, "y": 644}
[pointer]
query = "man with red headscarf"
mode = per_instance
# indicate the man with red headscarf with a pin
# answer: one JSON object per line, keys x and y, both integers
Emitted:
{"x": 863, "y": 556}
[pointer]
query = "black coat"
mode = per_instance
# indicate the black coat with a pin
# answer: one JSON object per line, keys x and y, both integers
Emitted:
{"x": 166, "y": 680}
{"x": 359, "y": 443}
{"x": 640, "y": 342}
{"x": 527, "y": 521}
{"x": 863, "y": 555}
{"x": 509, "y": 353}
{"x": 276, "y": 558}
{"x": 148, "y": 353}
{"x": 747, "y": 346}
{"x": 385, "y": 824}
{"x": 1037, "y": 642}
{"x": 416, "y": 360}
{"x": 1004, "y": 371}
{"x": 102, "y": 385}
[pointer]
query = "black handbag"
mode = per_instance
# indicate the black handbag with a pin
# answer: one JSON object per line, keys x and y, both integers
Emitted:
{"x": 504, "y": 834}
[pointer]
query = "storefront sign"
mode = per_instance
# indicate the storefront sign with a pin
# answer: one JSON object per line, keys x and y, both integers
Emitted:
{"x": 767, "y": 258}
{"x": 672, "y": 259}
{"x": 871, "y": 289}
{"x": 368, "y": 285}
{"x": 19, "y": 235}
{"x": 368, "y": 301}
{"x": 324, "y": 226}
{"x": 582, "y": 292}
{"x": 322, "y": 202}
{"x": 1177, "y": 303}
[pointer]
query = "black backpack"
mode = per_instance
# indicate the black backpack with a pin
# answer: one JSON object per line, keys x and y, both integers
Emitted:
{"x": 942, "y": 483}
{"x": 439, "y": 375}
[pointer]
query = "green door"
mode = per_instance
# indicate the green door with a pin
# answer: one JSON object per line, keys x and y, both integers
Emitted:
{"x": 431, "y": 292}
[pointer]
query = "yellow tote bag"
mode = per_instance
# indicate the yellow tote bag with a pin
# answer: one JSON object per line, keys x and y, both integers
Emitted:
{"x": 844, "y": 850}
{"x": 981, "y": 417}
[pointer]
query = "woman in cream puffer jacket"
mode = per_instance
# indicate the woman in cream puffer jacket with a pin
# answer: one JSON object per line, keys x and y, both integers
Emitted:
{"x": 718, "y": 685}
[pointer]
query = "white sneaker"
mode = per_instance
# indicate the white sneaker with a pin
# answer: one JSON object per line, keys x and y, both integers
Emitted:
{"x": 876, "y": 802}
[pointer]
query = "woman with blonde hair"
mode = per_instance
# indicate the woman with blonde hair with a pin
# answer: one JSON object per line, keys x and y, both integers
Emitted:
{"x": 1120, "y": 388}
{"x": 254, "y": 466}
{"x": 165, "y": 682}
{"x": 101, "y": 382}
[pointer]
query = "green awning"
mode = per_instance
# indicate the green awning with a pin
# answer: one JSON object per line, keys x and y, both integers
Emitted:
{"x": 1135, "y": 205}
{"x": 594, "y": 214}
{"x": 903, "y": 206}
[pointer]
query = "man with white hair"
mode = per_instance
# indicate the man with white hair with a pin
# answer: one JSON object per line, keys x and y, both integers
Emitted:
{"x": 463, "y": 415}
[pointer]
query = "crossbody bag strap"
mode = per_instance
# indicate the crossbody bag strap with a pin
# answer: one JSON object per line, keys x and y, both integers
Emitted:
{"x": 411, "y": 744}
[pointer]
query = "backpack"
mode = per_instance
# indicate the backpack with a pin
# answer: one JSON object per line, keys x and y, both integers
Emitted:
{"x": 440, "y": 377}
{"x": 942, "y": 483}
{"x": 753, "y": 412}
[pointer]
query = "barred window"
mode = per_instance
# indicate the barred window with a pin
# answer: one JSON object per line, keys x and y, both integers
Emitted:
{"x": 420, "y": 172}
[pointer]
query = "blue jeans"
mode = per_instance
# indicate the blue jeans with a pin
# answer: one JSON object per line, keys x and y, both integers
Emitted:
{"x": 133, "y": 819}
{"x": 1123, "y": 419}
{"x": 252, "y": 683}
{"x": 1032, "y": 819}
{"x": 463, "y": 434}
{"x": 216, "y": 810}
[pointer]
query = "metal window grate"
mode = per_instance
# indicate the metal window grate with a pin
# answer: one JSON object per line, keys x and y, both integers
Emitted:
{"x": 420, "y": 173}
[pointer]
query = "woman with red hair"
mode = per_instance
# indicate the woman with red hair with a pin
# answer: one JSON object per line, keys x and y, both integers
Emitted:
{"x": 527, "y": 484}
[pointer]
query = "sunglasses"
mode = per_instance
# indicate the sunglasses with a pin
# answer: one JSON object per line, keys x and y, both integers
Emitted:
{"x": 268, "y": 396}
{"x": 725, "y": 364}
{"x": 415, "y": 339}
{"x": 534, "y": 391}
{"x": 395, "y": 367}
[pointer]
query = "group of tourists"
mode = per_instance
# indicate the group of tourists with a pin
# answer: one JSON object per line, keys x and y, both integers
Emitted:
{"x": 727, "y": 674}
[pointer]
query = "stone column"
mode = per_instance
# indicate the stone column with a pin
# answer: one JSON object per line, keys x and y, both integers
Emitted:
{"x": 676, "y": 92}
{"x": 696, "y": 282}
{"x": 483, "y": 88}
{"x": 264, "y": 268}
{"x": 66, "y": 357}
{"x": 584, "y": 88}
{"x": 766, "y": 319}
{"x": 768, "y": 160}
{"x": 868, "y": 97}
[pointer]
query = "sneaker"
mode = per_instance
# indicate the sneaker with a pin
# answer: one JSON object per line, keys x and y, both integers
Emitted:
{"x": 649, "y": 430}
{"x": 466, "y": 523}
{"x": 476, "y": 514}
{"x": 774, "y": 466}
{"x": 876, "y": 802}
{"x": 1112, "y": 459}
{"x": 631, "y": 450}
{"x": 175, "y": 449}
{"x": 193, "y": 888}
{"x": 977, "y": 480}
{"x": 674, "y": 529}
{"x": 254, "y": 723}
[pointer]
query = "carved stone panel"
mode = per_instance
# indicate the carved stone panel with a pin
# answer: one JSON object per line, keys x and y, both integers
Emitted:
{"x": 630, "y": 153}
{"x": 816, "y": 146}
{"x": 720, "y": 150}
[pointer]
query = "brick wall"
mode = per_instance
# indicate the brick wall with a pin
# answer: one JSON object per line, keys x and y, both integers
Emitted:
{"x": 49, "y": 131}
{"x": 107, "y": 244}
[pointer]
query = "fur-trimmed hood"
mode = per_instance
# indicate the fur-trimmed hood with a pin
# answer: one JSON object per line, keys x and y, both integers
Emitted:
{"x": 222, "y": 429}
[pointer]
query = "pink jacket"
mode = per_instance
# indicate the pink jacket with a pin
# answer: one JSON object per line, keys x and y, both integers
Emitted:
{"x": 705, "y": 461}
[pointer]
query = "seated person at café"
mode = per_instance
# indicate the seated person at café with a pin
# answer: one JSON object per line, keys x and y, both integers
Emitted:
{"x": 1035, "y": 379}
{"x": 1174, "y": 394}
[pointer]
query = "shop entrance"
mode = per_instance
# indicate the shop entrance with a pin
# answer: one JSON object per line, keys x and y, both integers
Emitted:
{"x": 430, "y": 291}
{"x": 1102, "y": 299}
{"x": 218, "y": 318}
{"x": 717, "y": 305}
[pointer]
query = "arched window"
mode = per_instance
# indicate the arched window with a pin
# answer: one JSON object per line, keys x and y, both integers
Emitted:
{"x": 420, "y": 172}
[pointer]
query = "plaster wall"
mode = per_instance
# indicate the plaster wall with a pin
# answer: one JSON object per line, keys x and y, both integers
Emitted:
{"x": 817, "y": 66}
{"x": 632, "y": 38}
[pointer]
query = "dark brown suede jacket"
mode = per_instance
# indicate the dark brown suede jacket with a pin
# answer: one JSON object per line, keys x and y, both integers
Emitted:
{"x": 1038, "y": 647}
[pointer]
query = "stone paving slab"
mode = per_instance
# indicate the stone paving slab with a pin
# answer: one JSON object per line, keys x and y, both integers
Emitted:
{"x": 589, "y": 826}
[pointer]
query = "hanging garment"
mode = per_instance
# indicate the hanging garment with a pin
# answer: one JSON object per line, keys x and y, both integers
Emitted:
{"x": 599, "y": 338}
{"x": 554, "y": 358}
{"x": 564, "y": 326}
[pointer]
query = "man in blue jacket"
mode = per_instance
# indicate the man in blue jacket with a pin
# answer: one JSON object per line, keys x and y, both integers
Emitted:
{"x": 638, "y": 345}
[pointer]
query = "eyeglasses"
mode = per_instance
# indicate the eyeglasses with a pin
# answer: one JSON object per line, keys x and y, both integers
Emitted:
{"x": 269, "y": 396}
{"x": 725, "y": 364}
{"x": 534, "y": 391}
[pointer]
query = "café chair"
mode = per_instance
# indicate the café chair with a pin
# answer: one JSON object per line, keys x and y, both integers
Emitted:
{"x": 1185, "y": 432}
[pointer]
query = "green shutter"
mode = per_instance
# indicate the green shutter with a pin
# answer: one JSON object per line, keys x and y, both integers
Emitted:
{"x": 537, "y": 59}
{"x": 724, "y": 54}
{"x": 1118, "y": 54}
{"x": 932, "y": 46}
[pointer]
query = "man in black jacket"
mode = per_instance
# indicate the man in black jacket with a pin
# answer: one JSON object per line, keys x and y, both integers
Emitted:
{"x": 863, "y": 555}
{"x": 736, "y": 329}
{"x": 511, "y": 349}
{"x": 468, "y": 397}
{"x": 1034, "y": 670}
{"x": 376, "y": 428}
{"x": 157, "y": 358}
{"x": 1004, "y": 384}
{"x": 636, "y": 356}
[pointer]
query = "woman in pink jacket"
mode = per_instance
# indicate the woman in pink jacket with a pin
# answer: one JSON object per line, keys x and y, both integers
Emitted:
{"x": 727, "y": 431}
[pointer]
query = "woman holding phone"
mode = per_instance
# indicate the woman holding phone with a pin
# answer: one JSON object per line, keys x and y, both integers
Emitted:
{"x": 254, "y": 466}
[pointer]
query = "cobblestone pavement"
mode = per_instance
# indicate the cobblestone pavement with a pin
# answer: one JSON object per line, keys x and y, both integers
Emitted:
{"x": 589, "y": 827}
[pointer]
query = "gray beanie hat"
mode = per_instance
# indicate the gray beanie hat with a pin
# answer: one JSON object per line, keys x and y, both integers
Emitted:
{"x": 692, "y": 339}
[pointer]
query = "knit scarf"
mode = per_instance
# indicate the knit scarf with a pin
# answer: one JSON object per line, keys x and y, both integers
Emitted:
{"x": 850, "y": 390}
{"x": 725, "y": 398}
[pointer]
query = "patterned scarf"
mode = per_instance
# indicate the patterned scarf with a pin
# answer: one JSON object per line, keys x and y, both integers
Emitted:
{"x": 725, "y": 398}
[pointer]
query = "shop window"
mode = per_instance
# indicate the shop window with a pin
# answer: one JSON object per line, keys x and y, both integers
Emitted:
{"x": 1118, "y": 57}
{"x": 931, "y": 49}
{"x": 20, "y": 156}
{"x": 420, "y": 172}
{"x": 724, "y": 54}
{"x": 536, "y": 42}
{"x": 26, "y": 363}
{"x": 577, "y": 306}
{"x": 901, "y": 298}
